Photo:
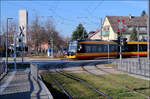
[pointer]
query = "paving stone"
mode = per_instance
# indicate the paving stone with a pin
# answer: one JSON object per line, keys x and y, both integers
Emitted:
{"x": 23, "y": 86}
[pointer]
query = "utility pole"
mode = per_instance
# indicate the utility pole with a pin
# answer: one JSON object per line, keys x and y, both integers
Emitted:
{"x": 83, "y": 33}
{"x": 7, "y": 42}
{"x": 52, "y": 44}
{"x": 15, "y": 52}
{"x": 108, "y": 50}
{"x": 148, "y": 33}
{"x": 101, "y": 20}
{"x": 138, "y": 42}
{"x": 138, "y": 51}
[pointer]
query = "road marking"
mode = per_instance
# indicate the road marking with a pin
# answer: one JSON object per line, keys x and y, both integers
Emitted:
{"x": 4, "y": 86}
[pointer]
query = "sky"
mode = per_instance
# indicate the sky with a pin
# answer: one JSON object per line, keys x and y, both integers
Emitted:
{"x": 67, "y": 14}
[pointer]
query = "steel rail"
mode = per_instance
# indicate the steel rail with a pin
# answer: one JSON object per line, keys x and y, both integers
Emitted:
{"x": 61, "y": 87}
{"x": 125, "y": 86}
{"x": 115, "y": 82}
{"x": 82, "y": 81}
{"x": 116, "y": 76}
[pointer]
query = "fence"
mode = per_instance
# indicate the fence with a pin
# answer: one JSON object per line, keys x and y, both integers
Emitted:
{"x": 34, "y": 71}
{"x": 139, "y": 67}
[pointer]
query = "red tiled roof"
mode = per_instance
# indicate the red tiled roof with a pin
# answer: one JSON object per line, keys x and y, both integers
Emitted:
{"x": 129, "y": 21}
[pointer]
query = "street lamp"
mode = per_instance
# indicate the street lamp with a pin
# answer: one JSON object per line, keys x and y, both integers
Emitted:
{"x": 7, "y": 41}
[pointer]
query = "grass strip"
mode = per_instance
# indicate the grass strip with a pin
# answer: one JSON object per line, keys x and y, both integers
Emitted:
{"x": 115, "y": 91}
{"x": 75, "y": 88}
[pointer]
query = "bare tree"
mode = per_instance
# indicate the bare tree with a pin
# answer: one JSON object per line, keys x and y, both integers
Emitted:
{"x": 42, "y": 33}
{"x": 35, "y": 33}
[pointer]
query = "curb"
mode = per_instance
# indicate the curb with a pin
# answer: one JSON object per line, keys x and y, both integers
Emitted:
{"x": 45, "y": 88}
{"x": 3, "y": 75}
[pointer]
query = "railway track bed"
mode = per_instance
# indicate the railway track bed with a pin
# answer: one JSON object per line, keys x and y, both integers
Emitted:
{"x": 78, "y": 90}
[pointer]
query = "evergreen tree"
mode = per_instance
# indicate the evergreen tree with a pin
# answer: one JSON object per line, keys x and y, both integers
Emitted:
{"x": 79, "y": 33}
{"x": 133, "y": 36}
{"x": 143, "y": 13}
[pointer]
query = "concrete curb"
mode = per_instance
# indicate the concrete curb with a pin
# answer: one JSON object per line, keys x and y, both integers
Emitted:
{"x": 3, "y": 75}
{"x": 45, "y": 88}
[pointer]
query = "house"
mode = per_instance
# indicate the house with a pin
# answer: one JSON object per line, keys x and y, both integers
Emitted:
{"x": 110, "y": 27}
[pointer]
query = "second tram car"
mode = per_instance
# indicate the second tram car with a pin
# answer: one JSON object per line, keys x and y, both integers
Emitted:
{"x": 131, "y": 49}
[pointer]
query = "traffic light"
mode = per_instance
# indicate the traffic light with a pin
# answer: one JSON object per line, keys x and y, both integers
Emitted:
{"x": 124, "y": 41}
{"x": 26, "y": 48}
{"x": 118, "y": 39}
{"x": 19, "y": 48}
{"x": 20, "y": 40}
{"x": 49, "y": 42}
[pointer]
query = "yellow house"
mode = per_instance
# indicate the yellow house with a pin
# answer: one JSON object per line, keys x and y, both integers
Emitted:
{"x": 110, "y": 27}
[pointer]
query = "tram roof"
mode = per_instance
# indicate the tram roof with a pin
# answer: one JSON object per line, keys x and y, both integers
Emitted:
{"x": 135, "y": 42}
{"x": 94, "y": 41}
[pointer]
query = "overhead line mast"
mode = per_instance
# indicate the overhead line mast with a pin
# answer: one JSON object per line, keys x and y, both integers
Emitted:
{"x": 148, "y": 31}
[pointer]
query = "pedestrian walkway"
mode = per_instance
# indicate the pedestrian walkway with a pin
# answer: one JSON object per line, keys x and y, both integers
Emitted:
{"x": 21, "y": 85}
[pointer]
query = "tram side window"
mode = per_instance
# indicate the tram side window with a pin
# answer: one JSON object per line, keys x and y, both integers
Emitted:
{"x": 143, "y": 47}
{"x": 111, "y": 48}
{"x": 105, "y": 48}
{"x": 100, "y": 48}
{"x": 94, "y": 48}
{"x": 132, "y": 48}
{"x": 87, "y": 48}
{"x": 81, "y": 48}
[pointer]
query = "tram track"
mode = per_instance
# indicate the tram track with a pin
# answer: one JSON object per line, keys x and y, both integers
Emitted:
{"x": 68, "y": 95}
{"x": 63, "y": 72}
{"x": 101, "y": 69}
{"x": 112, "y": 82}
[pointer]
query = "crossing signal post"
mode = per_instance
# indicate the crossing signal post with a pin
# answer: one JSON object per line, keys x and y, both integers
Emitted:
{"x": 121, "y": 29}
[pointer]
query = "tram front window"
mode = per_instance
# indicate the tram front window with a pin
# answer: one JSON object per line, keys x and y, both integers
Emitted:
{"x": 72, "y": 47}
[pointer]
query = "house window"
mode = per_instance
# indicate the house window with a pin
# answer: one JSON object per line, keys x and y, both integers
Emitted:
{"x": 130, "y": 28}
{"x": 144, "y": 28}
{"x": 105, "y": 30}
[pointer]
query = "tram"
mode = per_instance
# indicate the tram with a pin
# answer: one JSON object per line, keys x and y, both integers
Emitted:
{"x": 131, "y": 49}
{"x": 89, "y": 49}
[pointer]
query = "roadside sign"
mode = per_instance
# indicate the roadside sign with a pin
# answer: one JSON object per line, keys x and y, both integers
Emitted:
{"x": 49, "y": 52}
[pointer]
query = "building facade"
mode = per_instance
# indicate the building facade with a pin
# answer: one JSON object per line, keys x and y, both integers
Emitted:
{"x": 110, "y": 27}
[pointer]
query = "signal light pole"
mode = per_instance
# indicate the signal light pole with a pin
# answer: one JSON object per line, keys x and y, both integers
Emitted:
{"x": 120, "y": 30}
{"x": 7, "y": 42}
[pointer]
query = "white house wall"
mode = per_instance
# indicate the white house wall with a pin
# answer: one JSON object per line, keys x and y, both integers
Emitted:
{"x": 112, "y": 35}
{"x": 96, "y": 36}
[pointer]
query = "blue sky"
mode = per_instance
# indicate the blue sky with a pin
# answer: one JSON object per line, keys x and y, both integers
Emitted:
{"x": 68, "y": 14}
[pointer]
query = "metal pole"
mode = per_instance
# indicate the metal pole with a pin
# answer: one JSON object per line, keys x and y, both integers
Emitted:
{"x": 108, "y": 50}
{"x": 101, "y": 28}
{"x": 22, "y": 51}
{"x": 52, "y": 52}
{"x": 83, "y": 33}
{"x": 138, "y": 55}
{"x": 7, "y": 44}
{"x": 148, "y": 32}
{"x": 148, "y": 36}
{"x": 120, "y": 51}
{"x": 52, "y": 49}
{"x": 15, "y": 52}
